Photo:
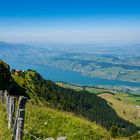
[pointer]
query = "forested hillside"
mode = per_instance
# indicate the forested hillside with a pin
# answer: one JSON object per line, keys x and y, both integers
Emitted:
{"x": 81, "y": 103}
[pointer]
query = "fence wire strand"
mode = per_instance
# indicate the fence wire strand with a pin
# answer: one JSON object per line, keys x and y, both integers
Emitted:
{"x": 26, "y": 132}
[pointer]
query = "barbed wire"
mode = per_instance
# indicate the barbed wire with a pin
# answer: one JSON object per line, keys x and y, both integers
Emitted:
{"x": 26, "y": 132}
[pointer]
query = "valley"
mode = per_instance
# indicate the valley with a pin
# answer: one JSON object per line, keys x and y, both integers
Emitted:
{"x": 94, "y": 65}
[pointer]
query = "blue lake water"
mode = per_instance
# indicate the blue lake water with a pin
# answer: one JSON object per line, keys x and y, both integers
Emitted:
{"x": 56, "y": 74}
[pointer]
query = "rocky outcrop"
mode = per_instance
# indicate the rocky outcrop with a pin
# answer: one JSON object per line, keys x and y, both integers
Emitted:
{"x": 8, "y": 83}
{"x": 5, "y": 75}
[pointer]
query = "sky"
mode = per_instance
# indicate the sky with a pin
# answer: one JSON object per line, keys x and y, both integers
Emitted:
{"x": 70, "y": 21}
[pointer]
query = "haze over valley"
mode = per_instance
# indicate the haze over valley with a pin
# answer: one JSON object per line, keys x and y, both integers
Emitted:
{"x": 95, "y": 65}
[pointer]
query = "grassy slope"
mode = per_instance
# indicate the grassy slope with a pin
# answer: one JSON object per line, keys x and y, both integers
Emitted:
{"x": 45, "y": 122}
{"x": 5, "y": 134}
{"x": 130, "y": 99}
{"x": 125, "y": 105}
{"x": 120, "y": 101}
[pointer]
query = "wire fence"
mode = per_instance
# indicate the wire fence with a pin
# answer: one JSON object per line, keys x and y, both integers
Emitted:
{"x": 14, "y": 123}
{"x": 25, "y": 132}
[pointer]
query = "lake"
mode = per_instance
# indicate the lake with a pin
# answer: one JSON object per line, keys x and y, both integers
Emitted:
{"x": 72, "y": 77}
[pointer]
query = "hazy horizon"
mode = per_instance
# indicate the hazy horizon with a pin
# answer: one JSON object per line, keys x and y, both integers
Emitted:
{"x": 80, "y": 21}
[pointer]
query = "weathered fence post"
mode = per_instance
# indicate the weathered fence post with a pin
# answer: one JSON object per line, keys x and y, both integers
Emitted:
{"x": 19, "y": 125}
{"x": 3, "y": 99}
{"x": 2, "y": 96}
{"x": 11, "y": 111}
{"x": 7, "y": 98}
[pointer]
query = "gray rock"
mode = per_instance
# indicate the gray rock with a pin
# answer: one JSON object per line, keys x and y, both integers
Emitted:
{"x": 49, "y": 139}
{"x": 62, "y": 138}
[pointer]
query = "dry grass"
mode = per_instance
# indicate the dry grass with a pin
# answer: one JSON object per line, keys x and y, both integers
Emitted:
{"x": 128, "y": 111}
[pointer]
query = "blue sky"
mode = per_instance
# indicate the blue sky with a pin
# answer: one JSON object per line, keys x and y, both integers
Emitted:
{"x": 70, "y": 21}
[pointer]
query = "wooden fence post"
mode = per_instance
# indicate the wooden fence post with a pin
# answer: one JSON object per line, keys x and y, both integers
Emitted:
{"x": 11, "y": 111}
{"x": 7, "y": 98}
{"x": 19, "y": 125}
{"x": 2, "y": 96}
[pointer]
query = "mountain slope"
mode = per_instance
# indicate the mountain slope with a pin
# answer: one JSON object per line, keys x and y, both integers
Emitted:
{"x": 44, "y": 122}
{"x": 81, "y": 103}
{"x": 53, "y": 123}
